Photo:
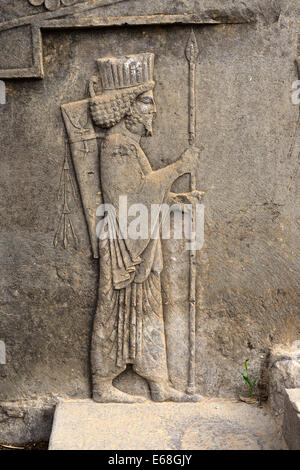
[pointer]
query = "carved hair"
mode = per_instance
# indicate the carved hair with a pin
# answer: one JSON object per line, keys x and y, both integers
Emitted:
{"x": 109, "y": 108}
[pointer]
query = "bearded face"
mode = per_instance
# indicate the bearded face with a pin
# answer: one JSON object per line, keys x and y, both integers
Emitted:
{"x": 140, "y": 119}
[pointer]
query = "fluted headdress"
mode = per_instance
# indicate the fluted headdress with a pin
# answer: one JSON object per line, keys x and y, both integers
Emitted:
{"x": 126, "y": 71}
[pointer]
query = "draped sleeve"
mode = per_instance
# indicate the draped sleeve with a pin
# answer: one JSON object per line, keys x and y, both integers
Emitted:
{"x": 123, "y": 169}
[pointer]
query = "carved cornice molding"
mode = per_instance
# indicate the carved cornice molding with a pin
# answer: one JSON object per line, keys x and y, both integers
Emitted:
{"x": 298, "y": 55}
{"x": 60, "y": 14}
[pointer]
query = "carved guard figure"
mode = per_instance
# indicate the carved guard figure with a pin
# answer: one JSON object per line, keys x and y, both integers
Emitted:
{"x": 129, "y": 323}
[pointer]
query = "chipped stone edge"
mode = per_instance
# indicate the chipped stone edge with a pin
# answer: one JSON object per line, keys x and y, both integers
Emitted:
{"x": 291, "y": 421}
{"x": 26, "y": 420}
{"x": 293, "y": 395}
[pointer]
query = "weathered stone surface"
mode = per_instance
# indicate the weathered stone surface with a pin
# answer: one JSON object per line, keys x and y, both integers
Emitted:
{"x": 291, "y": 422}
{"x": 26, "y": 420}
{"x": 284, "y": 373}
{"x": 213, "y": 424}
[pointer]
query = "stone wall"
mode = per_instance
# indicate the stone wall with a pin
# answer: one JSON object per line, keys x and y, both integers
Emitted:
{"x": 248, "y": 270}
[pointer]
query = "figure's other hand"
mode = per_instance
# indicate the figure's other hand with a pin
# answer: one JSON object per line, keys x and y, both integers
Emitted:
{"x": 192, "y": 197}
{"x": 190, "y": 158}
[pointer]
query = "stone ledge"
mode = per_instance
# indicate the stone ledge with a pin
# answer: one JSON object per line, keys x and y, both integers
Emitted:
{"x": 211, "y": 424}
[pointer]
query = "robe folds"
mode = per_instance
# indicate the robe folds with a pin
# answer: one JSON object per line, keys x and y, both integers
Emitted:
{"x": 129, "y": 323}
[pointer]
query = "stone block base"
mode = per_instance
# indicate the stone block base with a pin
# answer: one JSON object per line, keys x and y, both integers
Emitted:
{"x": 211, "y": 424}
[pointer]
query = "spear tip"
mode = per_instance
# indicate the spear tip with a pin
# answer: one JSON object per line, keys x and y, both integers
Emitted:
{"x": 192, "y": 49}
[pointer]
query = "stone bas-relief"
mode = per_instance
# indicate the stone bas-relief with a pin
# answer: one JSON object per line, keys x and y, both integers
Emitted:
{"x": 248, "y": 270}
{"x": 129, "y": 321}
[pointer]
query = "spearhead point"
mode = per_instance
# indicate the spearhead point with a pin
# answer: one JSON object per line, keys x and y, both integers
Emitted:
{"x": 192, "y": 50}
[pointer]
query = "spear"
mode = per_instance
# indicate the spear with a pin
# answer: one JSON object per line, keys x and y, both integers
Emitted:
{"x": 191, "y": 53}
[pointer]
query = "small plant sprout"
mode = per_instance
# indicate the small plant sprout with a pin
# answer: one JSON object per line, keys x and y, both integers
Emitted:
{"x": 251, "y": 384}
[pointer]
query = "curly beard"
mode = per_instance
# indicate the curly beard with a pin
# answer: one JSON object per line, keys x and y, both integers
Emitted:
{"x": 133, "y": 120}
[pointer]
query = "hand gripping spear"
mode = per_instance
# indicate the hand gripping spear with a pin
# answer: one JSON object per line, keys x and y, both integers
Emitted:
{"x": 191, "y": 53}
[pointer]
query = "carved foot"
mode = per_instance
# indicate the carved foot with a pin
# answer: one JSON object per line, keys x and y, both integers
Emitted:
{"x": 162, "y": 393}
{"x": 114, "y": 395}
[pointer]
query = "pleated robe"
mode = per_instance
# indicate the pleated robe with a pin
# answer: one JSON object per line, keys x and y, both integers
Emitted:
{"x": 129, "y": 324}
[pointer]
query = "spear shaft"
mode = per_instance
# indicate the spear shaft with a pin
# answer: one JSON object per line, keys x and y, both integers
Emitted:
{"x": 191, "y": 55}
{"x": 192, "y": 103}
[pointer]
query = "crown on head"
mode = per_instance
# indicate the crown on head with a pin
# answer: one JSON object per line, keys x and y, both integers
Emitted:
{"x": 126, "y": 71}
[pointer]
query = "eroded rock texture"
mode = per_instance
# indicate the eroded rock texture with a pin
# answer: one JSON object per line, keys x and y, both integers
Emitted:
{"x": 284, "y": 374}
